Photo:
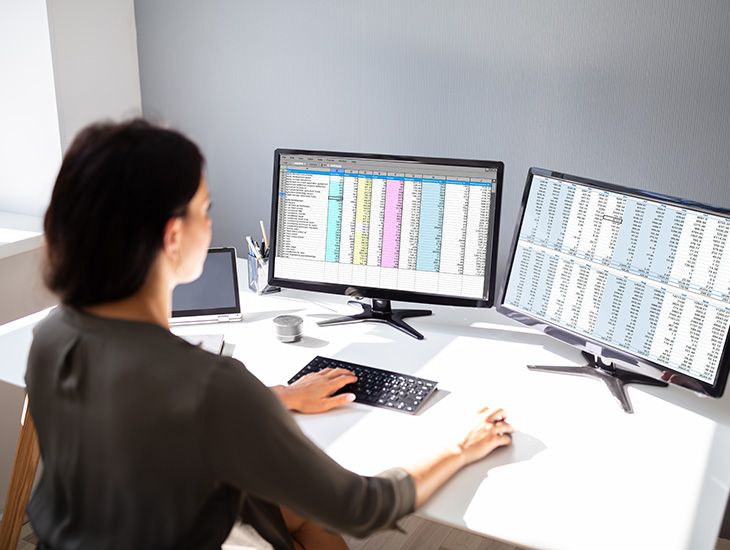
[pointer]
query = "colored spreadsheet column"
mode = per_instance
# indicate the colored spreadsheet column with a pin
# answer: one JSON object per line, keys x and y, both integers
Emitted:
{"x": 334, "y": 216}
{"x": 431, "y": 226}
{"x": 362, "y": 220}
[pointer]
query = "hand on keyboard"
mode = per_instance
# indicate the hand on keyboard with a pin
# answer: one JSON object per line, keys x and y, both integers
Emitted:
{"x": 315, "y": 392}
{"x": 377, "y": 387}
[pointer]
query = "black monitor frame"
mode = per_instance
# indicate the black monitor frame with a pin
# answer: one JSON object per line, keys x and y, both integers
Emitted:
{"x": 382, "y": 296}
{"x": 601, "y": 350}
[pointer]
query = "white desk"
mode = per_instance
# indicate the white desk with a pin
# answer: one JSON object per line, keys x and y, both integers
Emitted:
{"x": 580, "y": 473}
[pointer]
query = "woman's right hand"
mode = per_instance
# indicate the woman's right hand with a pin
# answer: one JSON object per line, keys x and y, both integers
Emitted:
{"x": 488, "y": 432}
{"x": 314, "y": 392}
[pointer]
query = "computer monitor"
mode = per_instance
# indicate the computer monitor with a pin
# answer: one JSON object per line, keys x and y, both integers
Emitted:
{"x": 385, "y": 227}
{"x": 626, "y": 275}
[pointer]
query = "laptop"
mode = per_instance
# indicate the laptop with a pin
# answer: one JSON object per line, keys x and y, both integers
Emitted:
{"x": 213, "y": 297}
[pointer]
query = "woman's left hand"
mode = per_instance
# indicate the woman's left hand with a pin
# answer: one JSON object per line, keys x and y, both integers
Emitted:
{"x": 313, "y": 393}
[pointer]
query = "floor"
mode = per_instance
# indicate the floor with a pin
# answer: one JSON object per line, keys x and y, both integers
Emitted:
{"x": 28, "y": 539}
{"x": 420, "y": 534}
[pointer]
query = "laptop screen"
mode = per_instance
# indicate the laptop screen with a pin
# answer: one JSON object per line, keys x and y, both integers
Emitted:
{"x": 214, "y": 294}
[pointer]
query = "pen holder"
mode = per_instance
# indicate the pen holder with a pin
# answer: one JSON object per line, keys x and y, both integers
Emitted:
{"x": 258, "y": 276}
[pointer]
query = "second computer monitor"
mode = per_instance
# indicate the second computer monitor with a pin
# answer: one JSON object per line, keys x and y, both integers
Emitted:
{"x": 386, "y": 227}
{"x": 625, "y": 274}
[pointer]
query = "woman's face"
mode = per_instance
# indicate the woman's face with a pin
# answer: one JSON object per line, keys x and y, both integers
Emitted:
{"x": 196, "y": 235}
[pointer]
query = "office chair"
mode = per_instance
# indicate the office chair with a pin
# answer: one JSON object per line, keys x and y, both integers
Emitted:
{"x": 22, "y": 475}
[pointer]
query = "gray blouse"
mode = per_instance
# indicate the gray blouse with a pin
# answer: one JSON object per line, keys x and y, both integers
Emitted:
{"x": 150, "y": 442}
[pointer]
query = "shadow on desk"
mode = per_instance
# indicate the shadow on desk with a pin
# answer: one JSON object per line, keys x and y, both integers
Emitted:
{"x": 438, "y": 395}
{"x": 310, "y": 342}
{"x": 439, "y": 335}
{"x": 255, "y": 316}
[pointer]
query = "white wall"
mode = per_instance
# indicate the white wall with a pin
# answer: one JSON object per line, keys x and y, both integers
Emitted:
{"x": 95, "y": 65}
{"x": 30, "y": 146}
{"x": 64, "y": 64}
{"x": 22, "y": 290}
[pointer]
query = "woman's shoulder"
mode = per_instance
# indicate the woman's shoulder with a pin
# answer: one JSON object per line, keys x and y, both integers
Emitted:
{"x": 125, "y": 341}
{"x": 71, "y": 320}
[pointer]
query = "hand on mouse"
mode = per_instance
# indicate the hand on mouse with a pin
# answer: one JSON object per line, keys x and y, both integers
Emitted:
{"x": 312, "y": 393}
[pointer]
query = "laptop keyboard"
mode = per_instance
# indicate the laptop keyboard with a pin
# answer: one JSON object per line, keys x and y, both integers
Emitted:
{"x": 377, "y": 387}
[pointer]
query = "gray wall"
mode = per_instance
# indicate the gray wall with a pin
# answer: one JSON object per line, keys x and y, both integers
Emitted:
{"x": 635, "y": 93}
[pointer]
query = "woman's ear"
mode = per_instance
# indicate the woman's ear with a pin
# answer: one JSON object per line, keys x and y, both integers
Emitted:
{"x": 172, "y": 238}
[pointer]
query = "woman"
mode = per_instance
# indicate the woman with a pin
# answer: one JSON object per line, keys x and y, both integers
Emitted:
{"x": 149, "y": 442}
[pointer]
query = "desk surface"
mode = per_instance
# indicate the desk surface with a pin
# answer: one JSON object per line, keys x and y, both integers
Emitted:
{"x": 580, "y": 472}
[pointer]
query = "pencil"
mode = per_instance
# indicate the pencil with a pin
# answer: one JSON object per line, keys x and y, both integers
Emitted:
{"x": 263, "y": 231}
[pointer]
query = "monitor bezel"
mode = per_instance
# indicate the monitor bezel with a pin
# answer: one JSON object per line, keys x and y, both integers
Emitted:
{"x": 382, "y": 293}
{"x": 598, "y": 347}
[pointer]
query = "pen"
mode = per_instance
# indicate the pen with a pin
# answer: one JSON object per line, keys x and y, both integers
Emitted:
{"x": 263, "y": 232}
{"x": 255, "y": 251}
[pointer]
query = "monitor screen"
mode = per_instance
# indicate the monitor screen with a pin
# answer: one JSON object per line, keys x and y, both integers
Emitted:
{"x": 386, "y": 227}
{"x": 214, "y": 295}
{"x": 636, "y": 276}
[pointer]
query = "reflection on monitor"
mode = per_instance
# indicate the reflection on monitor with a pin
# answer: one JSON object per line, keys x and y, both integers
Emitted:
{"x": 387, "y": 228}
{"x": 626, "y": 275}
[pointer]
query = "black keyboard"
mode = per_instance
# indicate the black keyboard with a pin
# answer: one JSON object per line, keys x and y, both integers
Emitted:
{"x": 377, "y": 387}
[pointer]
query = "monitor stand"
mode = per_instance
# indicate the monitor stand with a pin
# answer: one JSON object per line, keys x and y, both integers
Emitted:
{"x": 381, "y": 312}
{"x": 614, "y": 377}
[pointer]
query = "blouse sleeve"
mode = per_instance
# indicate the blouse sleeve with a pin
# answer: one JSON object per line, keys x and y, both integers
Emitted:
{"x": 253, "y": 443}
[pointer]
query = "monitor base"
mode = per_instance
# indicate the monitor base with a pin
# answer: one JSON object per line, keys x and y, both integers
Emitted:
{"x": 381, "y": 312}
{"x": 614, "y": 377}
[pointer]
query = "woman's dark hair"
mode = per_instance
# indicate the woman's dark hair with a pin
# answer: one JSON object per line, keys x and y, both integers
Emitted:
{"x": 118, "y": 186}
